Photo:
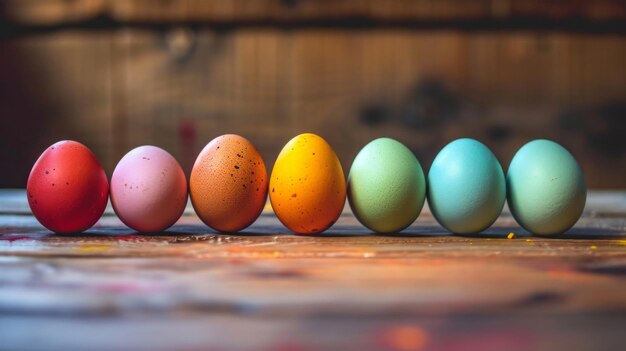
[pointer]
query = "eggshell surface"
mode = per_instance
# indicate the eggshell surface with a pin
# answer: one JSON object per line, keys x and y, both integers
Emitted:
{"x": 546, "y": 188}
{"x": 148, "y": 189}
{"x": 67, "y": 188}
{"x": 466, "y": 187}
{"x": 386, "y": 186}
{"x": 307, "y": 185}
{"x": 228, "y": 184}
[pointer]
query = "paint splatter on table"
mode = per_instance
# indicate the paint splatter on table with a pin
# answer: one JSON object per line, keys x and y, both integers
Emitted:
{"x": 190, "y": 288}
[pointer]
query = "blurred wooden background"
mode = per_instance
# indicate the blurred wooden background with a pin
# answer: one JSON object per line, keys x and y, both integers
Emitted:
{"x": 177, "y": 73}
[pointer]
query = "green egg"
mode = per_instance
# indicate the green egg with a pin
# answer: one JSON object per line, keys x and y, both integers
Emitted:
{"x": 546, "y": 188}
{"x": 386, "y": 186}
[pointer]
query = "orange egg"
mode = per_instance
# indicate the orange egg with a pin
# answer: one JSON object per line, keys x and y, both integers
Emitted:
{"x": 228, "y": 183}
{"x": 307, "y": 186}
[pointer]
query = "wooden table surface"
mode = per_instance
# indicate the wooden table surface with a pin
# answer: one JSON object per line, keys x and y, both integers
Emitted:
{"x": 190, "y": 288}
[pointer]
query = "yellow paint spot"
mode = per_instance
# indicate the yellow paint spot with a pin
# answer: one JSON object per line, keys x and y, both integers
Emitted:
{"x": 254, "y": 252}
{"x": 593, "y": 247}
{"x": 511, "y": 236}
{"x": 93, "y": 248}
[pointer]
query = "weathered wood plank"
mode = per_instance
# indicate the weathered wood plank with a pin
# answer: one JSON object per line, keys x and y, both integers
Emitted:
{"x": 59, "y": 11}
{"x": 347, "y": 288}
{"x": 180, "y": 88}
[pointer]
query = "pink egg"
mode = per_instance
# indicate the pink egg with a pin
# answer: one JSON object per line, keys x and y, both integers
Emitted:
{"x": 148, "y": 189}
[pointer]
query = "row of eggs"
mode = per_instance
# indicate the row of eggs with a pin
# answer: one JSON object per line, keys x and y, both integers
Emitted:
{"x": 386, "y": 188}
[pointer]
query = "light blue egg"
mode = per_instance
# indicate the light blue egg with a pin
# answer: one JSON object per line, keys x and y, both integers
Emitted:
{"x": 546, "y": 188}
{"x": 466, "y": 187}
{"x": 386, "y": 186}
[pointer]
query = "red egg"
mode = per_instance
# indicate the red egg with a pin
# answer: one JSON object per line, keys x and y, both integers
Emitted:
{"x": 67, "y": 188}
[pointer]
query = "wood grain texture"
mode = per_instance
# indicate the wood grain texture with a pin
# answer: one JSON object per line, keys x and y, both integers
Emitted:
{"x": 119, "y": 74}
{"x": 58, "y": 11}
{"x": 181, "y": 88}
{"x": 192, "y": 288}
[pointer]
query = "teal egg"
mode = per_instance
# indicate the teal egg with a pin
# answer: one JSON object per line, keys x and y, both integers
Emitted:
{"x": 386, "y": 186}
{"x": 466, "y": 187}
{"x": 546, "y": 188}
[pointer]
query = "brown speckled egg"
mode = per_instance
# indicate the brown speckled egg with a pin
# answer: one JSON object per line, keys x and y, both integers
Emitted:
{"x": 228, "y": 183}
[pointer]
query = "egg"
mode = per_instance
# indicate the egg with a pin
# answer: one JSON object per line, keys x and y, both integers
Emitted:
{"x": 307, "y": 185}
{"x": 228, "y": 184}
{"x": 148, "y": 189}
{"x": 546, "y": 188}
{"x": 466, "y": 187}
{"x": 67, "y": 188}
{"x": 386, "y": 186}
